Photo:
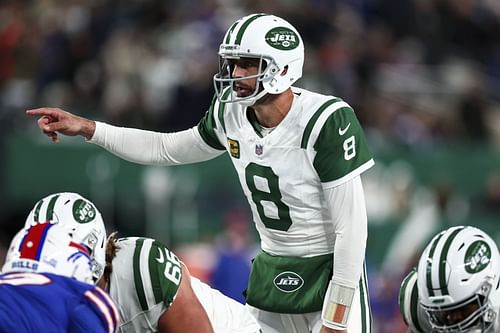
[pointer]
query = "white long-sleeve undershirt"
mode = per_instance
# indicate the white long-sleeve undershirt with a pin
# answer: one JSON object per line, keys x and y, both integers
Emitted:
{"x": 154, "y": 148}
{"x": 347, "y": 208}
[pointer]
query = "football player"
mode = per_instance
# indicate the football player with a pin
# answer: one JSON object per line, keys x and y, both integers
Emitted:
{"x": 457, "y": 285}
{"x": 155, "y": 292}
{"x": 46, "y": 285}
{"x": 299, "y": 156}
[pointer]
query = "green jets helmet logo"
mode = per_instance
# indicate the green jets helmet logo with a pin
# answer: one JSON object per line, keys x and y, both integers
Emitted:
{"x": 288, "y": 282}
{"x": 83, "y": 211}
{"x": 477, "y": 257}
{"x": 282, "y": 38}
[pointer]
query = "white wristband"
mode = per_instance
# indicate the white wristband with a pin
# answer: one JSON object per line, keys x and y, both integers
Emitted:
{"x": 337, "y": 306}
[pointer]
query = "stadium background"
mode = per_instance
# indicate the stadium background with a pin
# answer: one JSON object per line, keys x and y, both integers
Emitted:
{"x": 422, "y": 75}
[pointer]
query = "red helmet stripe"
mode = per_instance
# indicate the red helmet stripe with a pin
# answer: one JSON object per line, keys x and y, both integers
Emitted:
{"x": 32, "y": 243}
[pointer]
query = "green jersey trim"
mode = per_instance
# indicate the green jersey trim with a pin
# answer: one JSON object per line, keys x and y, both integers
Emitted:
{"x": 139, "y": 286}
{"x": 252, "y": 118}
{"x": 157, "y": 273}
{"x": 313, "y": 120}
{"x": 154, "y": 274}
{"x": 340, "y": 144}
{"x": 364, "y": 300}
{"x": 222, "y": 108}
{"x": 206, "y": 128}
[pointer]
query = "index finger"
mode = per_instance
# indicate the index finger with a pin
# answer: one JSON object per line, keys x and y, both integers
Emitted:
{"x": 42, "y": 112}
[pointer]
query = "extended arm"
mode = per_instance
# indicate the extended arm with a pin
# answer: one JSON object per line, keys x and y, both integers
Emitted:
{"x": 348, "y": 211}
{"x": 139, "y": 146}
{"x": 147, "y": 147}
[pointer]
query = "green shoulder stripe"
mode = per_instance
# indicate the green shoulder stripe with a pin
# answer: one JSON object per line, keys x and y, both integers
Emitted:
{"x": 222, "y": 108}
{"x": 165, "y": 273}
{"x": 313, "y": 120}
{"x": 155, "y": 272}
{"x": 139, "y": 285}
{"x": 341, "y": 145}
{"x": 206, "y": 128}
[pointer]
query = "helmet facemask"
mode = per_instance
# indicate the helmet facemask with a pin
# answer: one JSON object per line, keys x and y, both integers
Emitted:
{"x": 226, "y": 85}
{"x": 473, "y": 314}
{"x": 274, "y": 43}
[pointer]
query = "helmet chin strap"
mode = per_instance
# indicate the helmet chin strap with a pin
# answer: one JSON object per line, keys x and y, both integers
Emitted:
{"x": 251, "y": 101}
{"x": 254, "y": 99}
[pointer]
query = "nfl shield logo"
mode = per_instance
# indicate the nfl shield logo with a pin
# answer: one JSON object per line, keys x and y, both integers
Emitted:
{"x": 259, "y": 149}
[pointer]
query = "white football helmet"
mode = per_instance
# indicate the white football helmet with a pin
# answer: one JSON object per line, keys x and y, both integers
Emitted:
{"x": 82, "y": 221}
{"x": 48, "y": 248}
{"x": 458, "y": 281}
{"x": 272, "y": 40}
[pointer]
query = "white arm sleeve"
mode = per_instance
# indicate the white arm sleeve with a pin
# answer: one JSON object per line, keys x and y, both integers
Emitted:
{"x": 348, "y": 211}
{"x": 148, "y": 147}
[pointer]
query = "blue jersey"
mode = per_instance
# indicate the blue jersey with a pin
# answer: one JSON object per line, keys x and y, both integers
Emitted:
{"x": 35, "y": 302}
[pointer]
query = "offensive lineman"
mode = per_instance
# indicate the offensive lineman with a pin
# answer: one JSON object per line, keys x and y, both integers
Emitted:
{"x": 154, "y": 292}
{"x": 299, "y": 156}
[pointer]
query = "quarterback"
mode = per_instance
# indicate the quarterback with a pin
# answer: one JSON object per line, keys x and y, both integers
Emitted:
{"x": 154, "y": 292}
{"x": 456, "y": 287}
{"x": 299, "y": 156}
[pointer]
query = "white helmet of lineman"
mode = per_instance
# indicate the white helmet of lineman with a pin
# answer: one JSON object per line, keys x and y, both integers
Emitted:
{"x": 48, "y": 248}
{"x": 458, "y": 281}
{"x": 82, "y": 221}
{"x": 270, "y": 39}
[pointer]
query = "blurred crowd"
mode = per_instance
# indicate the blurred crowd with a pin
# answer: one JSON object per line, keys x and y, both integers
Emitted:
{"x": 420, "y": 74}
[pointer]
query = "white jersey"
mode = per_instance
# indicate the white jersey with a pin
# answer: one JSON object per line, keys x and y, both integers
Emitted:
{"x": 318, "y": 145}
{"x": 144, "y": 282}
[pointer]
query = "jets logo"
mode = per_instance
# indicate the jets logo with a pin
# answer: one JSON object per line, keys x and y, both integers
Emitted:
{"x": 282, "y": 38}
{"x": 288, "y": 282}
{"x": 83, "y": 211}
{"x": 477, "y": 257}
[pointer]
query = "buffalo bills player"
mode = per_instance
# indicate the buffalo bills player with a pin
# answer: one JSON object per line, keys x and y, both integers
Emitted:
{"x": 46, "y": 285}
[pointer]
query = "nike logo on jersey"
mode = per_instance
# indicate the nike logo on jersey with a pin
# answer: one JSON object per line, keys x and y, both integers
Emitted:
{"x": 160, "y": 259}
{"x": 342, "y": 131}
